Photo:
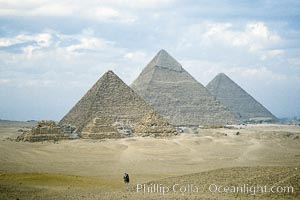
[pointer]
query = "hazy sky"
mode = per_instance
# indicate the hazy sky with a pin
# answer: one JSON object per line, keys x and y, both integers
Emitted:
{"x": 52, "y": 51}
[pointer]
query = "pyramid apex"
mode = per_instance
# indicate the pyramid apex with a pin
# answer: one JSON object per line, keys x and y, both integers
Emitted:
{"x": 109, "y": 72}
{"x": 162, "y": 51}
{"x": 219, "y": 79}
{"x": 221, "y": 74}
{"x": 165, "y": 60}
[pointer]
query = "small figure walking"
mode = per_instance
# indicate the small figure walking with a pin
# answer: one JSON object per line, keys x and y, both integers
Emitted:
{"x": 126, "y": 178}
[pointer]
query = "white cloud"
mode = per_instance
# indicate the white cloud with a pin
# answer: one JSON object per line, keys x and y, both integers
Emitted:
{"x": 107, "y": 11}
{"x": 90, "y": 43}
{"x": 29, "y": 50}
{"x": 42, "y": 39}
{"x": 142, "y": 4}
{"x": 108, "y": 14}
{"x": 251, "y": 51}
{"x": 294, "y": 62}
{"x": 257, "y": 73}
{"x": 49, "y": 41}
{"x": 272, "y": 53}
{"x": 136, "y": 56}
{"x": 3, "y": 82}
{"x": 56, "y": 9}
{"x": 32, "y": 42}
{"x": 254, "y": 36}
{"x": 103, "y": 11}
{"x": 81, "y": 56}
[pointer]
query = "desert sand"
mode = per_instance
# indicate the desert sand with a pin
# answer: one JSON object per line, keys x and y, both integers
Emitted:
{"x": 93, "y": 169}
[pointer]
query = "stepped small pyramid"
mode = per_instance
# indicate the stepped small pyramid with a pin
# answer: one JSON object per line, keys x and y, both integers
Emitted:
{"x": 111, "y": 109}
{"x": 45, "y": 130}
{"x": 177, "y": 96}
{"x": 242, "y": 104}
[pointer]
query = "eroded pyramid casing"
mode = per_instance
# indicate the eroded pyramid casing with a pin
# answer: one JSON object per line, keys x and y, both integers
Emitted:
{"x": 110, "y": 104}
{"x": 177, "y": 96}
{"x": 242, "y": 104}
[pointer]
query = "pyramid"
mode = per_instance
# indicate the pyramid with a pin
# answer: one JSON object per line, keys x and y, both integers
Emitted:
{"x": 110, "y": 109}
{"x": 177, "y": 96}
{"x": 242, "y": 104}
{"x": 151, "y": 123}
{"x": 45, "y": 130}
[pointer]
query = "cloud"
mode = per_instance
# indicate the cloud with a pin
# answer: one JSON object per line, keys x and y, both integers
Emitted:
{"x": 109, "y": 14}
{"x": 47, "y": 41}
{"x": 56, "y": 9}
{"x": 137, "y": 55}
{"x": 90, "y": 43}
{"x": 254, "y": 36}
{"x": 42, "y": 39}
{"x": 250, "y": 49}
{"x": 51, "y": 55}
{"x": 27, "y": 43}
{"x": 94, "y": 10}
{"x": 119, "y": 11}
{"x": 4, "y": 82}
{"x": 257, "y": 73}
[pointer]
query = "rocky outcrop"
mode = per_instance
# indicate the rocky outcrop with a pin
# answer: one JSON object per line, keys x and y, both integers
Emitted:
{"x": 242, "y": 104}
{"x": 177, "y": 96}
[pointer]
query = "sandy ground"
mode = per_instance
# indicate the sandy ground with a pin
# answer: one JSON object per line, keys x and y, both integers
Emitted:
{"x": 92, "y": 169}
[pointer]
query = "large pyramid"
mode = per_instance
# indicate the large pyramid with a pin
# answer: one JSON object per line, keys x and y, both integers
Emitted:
{"x": 243, "y": 105}
{"x": 177, "y": 96}
{"x": 111, "y": 109}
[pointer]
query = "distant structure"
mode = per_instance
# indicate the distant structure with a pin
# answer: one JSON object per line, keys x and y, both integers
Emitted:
{"x": 45, "y": 130}
{"x": 111, "y": 109}
{"x": 242, "y": 104}
{"x": 177, "y": 96}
